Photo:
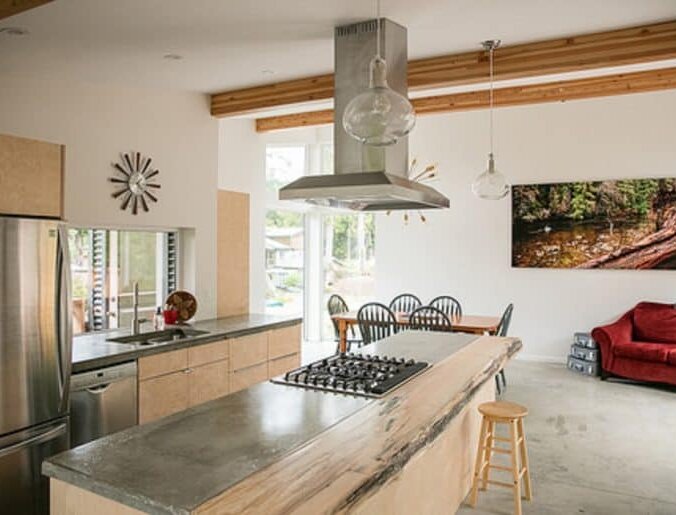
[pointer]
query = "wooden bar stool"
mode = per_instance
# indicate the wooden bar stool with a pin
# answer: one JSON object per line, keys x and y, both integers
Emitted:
{"x": 502, "y": 412}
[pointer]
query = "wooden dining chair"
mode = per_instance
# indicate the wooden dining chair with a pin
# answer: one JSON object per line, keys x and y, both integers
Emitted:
{"x": 427, "y": 318}
{"x": 450, "y": 306}
{"x": 337, "y": 305}
{"x": 405, "y": 303}
{"x": 376, "y": 321}
{"x": 503, "y": 327}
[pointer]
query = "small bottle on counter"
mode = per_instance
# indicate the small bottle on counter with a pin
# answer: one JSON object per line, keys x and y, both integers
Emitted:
{"x": 158, "y": 320}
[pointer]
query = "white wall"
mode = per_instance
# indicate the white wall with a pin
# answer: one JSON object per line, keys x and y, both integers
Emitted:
{"x": 96, "y": 123}
{"x": 466, "y": 251}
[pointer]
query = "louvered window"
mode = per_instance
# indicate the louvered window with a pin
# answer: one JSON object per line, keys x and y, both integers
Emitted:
{"x": 105, "y": 264}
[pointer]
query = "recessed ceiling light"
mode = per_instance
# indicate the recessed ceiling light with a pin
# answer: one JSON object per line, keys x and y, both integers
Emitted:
{"x": 173, "y": 57}
{"x": 14, "y": 31}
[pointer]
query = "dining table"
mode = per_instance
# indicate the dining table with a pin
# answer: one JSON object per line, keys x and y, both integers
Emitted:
{"x": 475, "y": 324}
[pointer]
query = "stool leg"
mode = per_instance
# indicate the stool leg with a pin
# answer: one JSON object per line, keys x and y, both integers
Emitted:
{"x": 488, "y": 453}
{"x": 479, "y": 462}
{"x": 515, "y": 467}
{"x": 524, "y": 462}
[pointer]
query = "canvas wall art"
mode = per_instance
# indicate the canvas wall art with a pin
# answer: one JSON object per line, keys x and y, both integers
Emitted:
{"x": 623, "y": 224}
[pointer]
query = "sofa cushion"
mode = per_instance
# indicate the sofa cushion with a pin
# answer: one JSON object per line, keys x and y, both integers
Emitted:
{"x": 671, "y": 357}
{"x": 643, "y": 351}
{"x": 655, "y": 322}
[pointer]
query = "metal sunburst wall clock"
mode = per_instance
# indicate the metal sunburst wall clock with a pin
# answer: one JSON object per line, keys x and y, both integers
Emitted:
{"x": 134, "y": 177}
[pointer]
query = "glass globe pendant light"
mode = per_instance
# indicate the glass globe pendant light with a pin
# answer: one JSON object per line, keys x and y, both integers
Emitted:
{"x": 379, "y": 116}
{"x": 491, "y": 184}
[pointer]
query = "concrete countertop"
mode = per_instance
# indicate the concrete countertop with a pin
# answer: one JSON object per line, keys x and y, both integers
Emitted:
{"x": 92, "y": 350}
{"x": 177, "y": 463}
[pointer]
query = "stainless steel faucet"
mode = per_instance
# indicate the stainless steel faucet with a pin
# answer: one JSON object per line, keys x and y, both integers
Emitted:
{"x": 136, "y": 321}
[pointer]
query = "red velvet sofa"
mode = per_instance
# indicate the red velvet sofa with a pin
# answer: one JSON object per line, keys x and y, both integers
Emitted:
{"x": 641, "y": 345}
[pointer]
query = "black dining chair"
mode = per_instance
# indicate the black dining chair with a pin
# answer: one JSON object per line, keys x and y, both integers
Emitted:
{"x": 376, "y": 321}
{"x": 337, "y": 305}
{"x": 405, "y": 303}
{"x": 427, "y": 318}
{"x": 450, "y": 306}
{"x": 503, "y": 327}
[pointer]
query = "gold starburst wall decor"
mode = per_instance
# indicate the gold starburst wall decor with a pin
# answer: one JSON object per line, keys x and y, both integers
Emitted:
{"x": 427, "y": 174}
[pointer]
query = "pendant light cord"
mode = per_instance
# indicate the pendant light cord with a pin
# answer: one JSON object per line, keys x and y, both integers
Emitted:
{"x": 378, "y": 29}
{"x": 490, "y": 95}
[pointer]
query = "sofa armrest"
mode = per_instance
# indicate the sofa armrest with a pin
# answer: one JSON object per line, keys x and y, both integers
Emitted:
{"x": 609, "y": 335}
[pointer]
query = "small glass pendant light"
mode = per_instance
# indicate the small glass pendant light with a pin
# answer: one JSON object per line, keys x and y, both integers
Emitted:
{"x": 379, "y": 116}
{"x": 491, "y": 184}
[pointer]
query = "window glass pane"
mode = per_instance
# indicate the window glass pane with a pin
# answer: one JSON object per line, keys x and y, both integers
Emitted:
{"x": 349, "y": 260}
{"x": 284, "y": 265}
{"x": 136, "y": 262}
{"x": 283, "y": 165}
{"x": 105, "y": 264}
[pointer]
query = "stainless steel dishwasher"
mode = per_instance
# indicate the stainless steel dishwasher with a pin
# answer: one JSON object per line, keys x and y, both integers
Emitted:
{"x": 103, "y": 401}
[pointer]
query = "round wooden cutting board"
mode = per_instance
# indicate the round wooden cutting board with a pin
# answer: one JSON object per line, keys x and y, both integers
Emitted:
{"x": 184, "y": 303}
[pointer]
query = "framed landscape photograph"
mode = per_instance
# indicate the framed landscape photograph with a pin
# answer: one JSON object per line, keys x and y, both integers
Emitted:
{"x": 622, "y": 224}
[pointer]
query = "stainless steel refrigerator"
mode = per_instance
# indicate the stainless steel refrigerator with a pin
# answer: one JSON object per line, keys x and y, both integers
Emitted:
{"x": 35, "y": 357}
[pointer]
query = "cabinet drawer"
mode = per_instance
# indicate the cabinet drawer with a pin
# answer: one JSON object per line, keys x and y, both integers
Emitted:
{"x": 278, "y": 366}
{"x": 208, "y": 382}
{"x": 208, "y": 353}
{"x": 248, "y": 350}
{"x": 162, "y": 396}
{"x": 284, "y": 341}
{"x": 240, "y": 379}
{"x": 164, "y": 363}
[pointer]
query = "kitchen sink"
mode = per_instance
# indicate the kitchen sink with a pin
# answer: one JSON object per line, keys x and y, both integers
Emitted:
{"x": 175, "y": 334}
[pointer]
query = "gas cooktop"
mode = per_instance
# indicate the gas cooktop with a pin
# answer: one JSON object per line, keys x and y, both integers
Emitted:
{"x": 355, "y": 374}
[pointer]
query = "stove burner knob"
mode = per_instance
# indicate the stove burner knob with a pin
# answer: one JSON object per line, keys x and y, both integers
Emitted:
{"x": 410, "y": 362}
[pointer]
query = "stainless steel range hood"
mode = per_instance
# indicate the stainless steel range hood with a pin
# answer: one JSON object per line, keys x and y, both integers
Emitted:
{"x": 366, "y": 178}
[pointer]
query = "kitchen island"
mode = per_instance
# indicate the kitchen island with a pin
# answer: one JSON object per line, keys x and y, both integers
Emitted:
{"x": 274, "y": 448}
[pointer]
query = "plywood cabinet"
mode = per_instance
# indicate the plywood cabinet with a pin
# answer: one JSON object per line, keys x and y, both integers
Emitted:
{"x": 162, "y": 396}
{"x": 172, "y": 381}
{"x": 284, "y": 341}
{"x": 161, "y": 364}
{"x": 31, "y": 177}
{"x": 250, "y": 350}
{"x": 208, "y": 382}
{"x": 278, "y": 366}
{"x": 245, "y": 377}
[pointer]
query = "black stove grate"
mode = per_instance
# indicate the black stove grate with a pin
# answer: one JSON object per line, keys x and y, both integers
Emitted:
{"x": 356, "y": 374}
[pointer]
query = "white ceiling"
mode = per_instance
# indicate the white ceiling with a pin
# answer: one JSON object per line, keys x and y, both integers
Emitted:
{"x": 229, "y": 44}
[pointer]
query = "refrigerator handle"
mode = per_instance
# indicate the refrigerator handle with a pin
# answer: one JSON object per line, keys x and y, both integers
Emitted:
{"x": 40, "y": 438}
{"x": 64, "y": 323}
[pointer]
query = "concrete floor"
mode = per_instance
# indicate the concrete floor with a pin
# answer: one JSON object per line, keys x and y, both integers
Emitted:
{"x": 599, "y": 448}
{"x": 594, "y": 447}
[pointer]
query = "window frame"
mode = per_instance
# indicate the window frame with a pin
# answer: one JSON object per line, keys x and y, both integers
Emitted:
{"x": 161, "y": 267}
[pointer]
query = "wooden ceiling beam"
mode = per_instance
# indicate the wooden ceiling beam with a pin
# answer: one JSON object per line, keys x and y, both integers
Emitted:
{"x": 11, "y": 7}
{"x": 646, "y": 43}
{"x": 559, "y": 91}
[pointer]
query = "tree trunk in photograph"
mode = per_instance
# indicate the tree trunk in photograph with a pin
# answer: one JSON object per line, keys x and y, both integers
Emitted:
{"x": 644, "y": 254}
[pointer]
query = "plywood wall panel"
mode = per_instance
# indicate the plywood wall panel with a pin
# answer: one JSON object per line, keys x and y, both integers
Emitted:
{"x": 233, "y": 253}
